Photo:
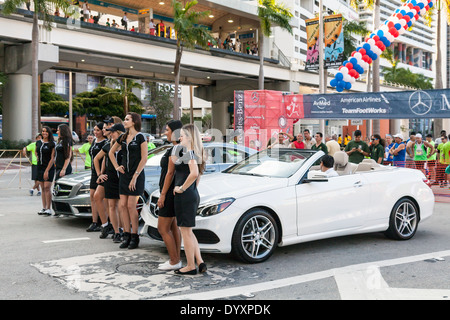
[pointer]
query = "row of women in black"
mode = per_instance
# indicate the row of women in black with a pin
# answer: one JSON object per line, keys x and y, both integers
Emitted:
{"x": 181, "y": 167}
{"x": 53, "y": 161}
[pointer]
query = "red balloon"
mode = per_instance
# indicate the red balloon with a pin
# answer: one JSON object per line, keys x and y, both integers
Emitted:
{"x": 417, "y": 8}
{"x": 349, "y": 66}
{"x": 362, "y": 51}
{"x": 390, "y": 24}
{"x": 416, "y": 17}
{"x": 406, "y": 18}
{"x": 399, "y": 15}
{"x": 376, "y": 38}
{"x": 392, "y": 31}
{"x": 353, "y": 53}
{"x": 410, "y": 5}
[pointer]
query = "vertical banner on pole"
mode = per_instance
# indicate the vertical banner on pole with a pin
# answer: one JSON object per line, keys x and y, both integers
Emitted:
{"x": 312, "y": 44}
{"x": 334, "y": 41}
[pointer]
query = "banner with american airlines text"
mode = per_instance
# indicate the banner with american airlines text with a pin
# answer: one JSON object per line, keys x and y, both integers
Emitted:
{"x": 378, "y": 105}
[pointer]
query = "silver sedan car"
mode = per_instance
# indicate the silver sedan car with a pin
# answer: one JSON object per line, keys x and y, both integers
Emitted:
{"x": 71, "y": 193}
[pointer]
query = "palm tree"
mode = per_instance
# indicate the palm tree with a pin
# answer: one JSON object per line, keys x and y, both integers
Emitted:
{"x": 43, "y": 9}
{"x": 269, "y": 12}
{"x": 189, "y": 33}
{"x": 124, "y": 91}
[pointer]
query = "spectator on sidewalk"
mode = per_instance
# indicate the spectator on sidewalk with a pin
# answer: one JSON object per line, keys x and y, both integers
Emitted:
{"x": 32, "y": 149}
{"x": 332, "y": 144}
{"x": 357, "y": 149}
{"x": 309, "y": 141}
{"x": 398, "y": 151}
{"x": 377, "y": 149}
{"x": 319, "y": 144}
{"x": 85, "y": 150}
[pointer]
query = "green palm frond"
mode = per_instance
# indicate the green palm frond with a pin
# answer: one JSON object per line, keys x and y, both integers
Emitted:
{"x": 269, "y": 12}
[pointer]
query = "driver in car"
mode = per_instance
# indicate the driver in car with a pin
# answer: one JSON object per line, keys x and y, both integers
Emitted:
{"x": 327, "y": 166}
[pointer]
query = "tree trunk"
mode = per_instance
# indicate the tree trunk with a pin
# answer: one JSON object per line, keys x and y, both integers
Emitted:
{"x": 176, "y": 111}
{"x": 438, "y": 123}
{"x": 125, "y": 98}
{"x": 376, "y": 66}
{"x": 191, "y": 98}
{"x": 261, "y": 60}
{"x": 35, "y": 76}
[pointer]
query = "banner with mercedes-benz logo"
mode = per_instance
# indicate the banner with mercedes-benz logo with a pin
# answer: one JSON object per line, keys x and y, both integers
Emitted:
{"x": 378, "y": 105}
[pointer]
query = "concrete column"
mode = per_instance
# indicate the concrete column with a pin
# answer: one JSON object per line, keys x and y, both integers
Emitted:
{"x": 220, "y": 117}
{"x": 16, "y": 108}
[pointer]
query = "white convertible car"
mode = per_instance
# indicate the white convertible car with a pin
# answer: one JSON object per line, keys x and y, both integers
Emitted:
{"x": 278, "y": 197}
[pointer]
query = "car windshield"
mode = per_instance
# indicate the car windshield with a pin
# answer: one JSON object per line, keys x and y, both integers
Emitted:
{"x": 155, "y": 155}
{"x": 277, "y": 163}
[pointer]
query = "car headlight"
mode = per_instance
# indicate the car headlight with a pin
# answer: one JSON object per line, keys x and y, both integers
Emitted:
{"x": 84, "y": 190}
{"x": 212, "y": 208}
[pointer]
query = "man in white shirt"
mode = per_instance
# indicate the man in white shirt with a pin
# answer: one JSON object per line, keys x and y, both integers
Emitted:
{"x": 125, "y": 21}
{"x": 326, "y": 166}
{"x": 332, "y": 145}
{"x": 308, "y": 141}
{"x": 281, "y": 143}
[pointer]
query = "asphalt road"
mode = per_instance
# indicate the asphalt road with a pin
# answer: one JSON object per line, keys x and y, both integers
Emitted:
{"x": 46, "y": 258}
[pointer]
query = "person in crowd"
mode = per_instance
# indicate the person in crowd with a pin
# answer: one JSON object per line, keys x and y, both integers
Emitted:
{"x": 298, "y": 143}
{"x": 45, "y": 153}
{"x": 57, "y": 14}
{"x": 438, "y": 141}
{"x": 132, "y": 178}
{"x": 347, "y": 139}
{"x": 152, "y": 27}
{"x": 398, "y": 151}
{"x": 327, "y": 166}
{"x": 114, "y": 24}
{"x": 85, "y": 150}
{"x": 63, "y": 151}
{"x": 100, "y": 198}
{"x": 420, "y": 152}
{"x": 32, "y": 148}
{"x": 161, "y": 28}
{"x": 332, "y": 144}
{"x": 340, "y": 140}
{"x": 431, "y": 158}
{"x": 281, "y": 142}
{"x": 86, "y": 11}
{"x": 357, "y": 149}
{"x": 188, "y": 170}
{"x": 110, "y": 179}
{"x": 389, "y": 143}
{"x": 125, "y": 21}
{"x": 409, "y": 157}
{"x": 308, "y": 141}
{"x": 95, "y": 148}
{"x": 108, "y": 24}
{"x": 319, "y": 144}
{"x": 444, "y": 160}
{"x": 167, "y": 224}
{"x": 377, "y": 149}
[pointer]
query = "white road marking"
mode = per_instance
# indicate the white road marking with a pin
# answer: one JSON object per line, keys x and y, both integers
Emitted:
{"x": 65, "y": 240}
{"x": 275, "y": 284}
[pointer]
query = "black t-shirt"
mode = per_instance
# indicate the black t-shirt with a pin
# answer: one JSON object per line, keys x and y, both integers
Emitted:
{"x": 182, "y": 169}
{"x": 95, "y": 149}
{"x": 164, "y": 163}
{"x": 60, "y": 157}
{"x": 44, "y": 152}
{"x": 118, "y": 155}
{"x": 132, "y": 153}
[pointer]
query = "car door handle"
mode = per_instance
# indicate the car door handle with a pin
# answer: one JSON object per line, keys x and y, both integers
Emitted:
{"x": 358, "y": 184}
{"x": 213, "y": 169}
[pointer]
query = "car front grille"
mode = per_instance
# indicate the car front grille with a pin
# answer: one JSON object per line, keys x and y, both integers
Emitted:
{"x": 61, "y": 190}
{"x": 153, "y": 206}
{"x": 60, "y": 207}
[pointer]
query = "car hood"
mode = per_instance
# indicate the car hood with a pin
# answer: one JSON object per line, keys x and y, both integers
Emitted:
{"x": 75, "y": 178}
{"x": 225, "y": 185}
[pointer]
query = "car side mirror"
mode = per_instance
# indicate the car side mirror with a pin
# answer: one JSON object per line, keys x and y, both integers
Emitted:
{"x": 316, "y": 176}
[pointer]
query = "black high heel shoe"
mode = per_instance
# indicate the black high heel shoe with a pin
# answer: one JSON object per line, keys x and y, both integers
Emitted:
{"x": 202, "y": 267}
{"x": 190, "y": 272}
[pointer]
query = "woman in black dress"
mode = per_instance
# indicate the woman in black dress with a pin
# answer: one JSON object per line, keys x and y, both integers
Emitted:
{"x": 63, "y": 151}
{"x": 188, "y": 169}
{"x": 167, "y": 225}
{"x": 132, "y": 178}
{"x": 96, "y": 146}
{"x": 45, "y": 153}
{"x": 110, "y": 179}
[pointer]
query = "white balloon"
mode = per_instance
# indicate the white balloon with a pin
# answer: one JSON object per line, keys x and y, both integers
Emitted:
{"x": 402, "y": 22}
{"x": 358, "y": 56}
{"x": 423, "y": 11}
{"x": 344, "y": 71}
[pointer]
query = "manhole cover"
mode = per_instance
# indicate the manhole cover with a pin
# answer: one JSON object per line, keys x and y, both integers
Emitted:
{"x": 139, "y": 268}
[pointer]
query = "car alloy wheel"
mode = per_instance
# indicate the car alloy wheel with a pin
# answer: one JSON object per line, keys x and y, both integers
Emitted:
{"x": 403, "y": 221}
{"x": 255, "y": 236}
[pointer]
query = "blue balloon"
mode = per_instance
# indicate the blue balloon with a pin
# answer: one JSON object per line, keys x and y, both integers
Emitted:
{"x": 339, "y": 89}
{"x": 353, "y": 61}
{"x": 348, "y": 86}
{"x": 397, "y": 26}
{"x": 420, "y": 5}
{"x": 375, "y": 56}
{"x": 410, "y": 14}
{"x": 414, "y": 3}
{"x": 333, "y": 83}
{"x": 339, "y": 76}
{"x": 380, "y": 34}
{"x": 430, "y": 4}
{"x": 366, "y": 46}
{"x": 403, "y": 12}
{"x": 409, "y": 23}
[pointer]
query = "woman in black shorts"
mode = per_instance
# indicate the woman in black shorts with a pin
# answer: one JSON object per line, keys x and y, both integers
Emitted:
{"x": 132, "y": 180}
{"x": 96, "y": 146}
{"x": 45, "y": 153}
{"x": 167, "y": 225}
{"x": 188, "y": 169}
{"x": 63, "y": 151}
{"x": 110, "y": 179}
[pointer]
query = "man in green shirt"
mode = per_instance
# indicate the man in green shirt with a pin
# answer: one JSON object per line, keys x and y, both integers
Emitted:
{"x": 357, "y": 149}
{"x": 377, "y": 149}
{"x": 32, "y": 149}
{"x": 85, "y": 149}
{"x": 319, "y": 145}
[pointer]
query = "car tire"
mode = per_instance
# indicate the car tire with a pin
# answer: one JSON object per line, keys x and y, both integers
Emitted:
{"x": 403, "y": 221}
{"x": 255, "y": 236}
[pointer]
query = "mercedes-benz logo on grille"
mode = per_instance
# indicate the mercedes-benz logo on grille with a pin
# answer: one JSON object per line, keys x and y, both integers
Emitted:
{"x": 56, "y": 189}
{"x": 154, "y": 208}
{"x": 420, "y": 103}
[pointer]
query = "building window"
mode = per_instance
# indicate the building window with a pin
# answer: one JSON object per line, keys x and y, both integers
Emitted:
{"x": 62, "y": 83}
{"x": 93, "y": 82}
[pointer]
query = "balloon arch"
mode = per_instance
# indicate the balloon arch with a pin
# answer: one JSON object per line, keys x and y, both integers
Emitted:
{"x": 378, "y": 41}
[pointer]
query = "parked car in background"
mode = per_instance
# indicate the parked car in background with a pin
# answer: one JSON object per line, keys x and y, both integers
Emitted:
{"x": 278, "y": 198}
{"x": 71, "y": 193}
